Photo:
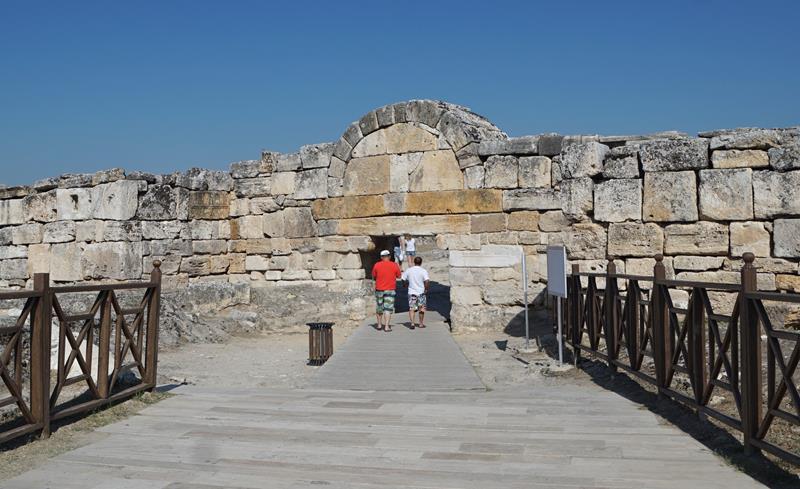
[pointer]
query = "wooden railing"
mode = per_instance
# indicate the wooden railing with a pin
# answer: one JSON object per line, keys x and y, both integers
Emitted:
{"x": 126, "y": 340}
{"x": 638, "y": 328}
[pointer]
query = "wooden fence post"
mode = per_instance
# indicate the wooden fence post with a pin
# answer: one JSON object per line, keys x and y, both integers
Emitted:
{"x": 575, "y": 312}
{"x": 660, "y": 326}
{"x": 632, "y": 314}
{"x": 751, "y": 355}
{"x": 40, "y": 353}
{"x": 611, "y": 318}
{"x": 696, "y": 339}
{"x": 104, "y": 346}
{"x": 153, "y": 310}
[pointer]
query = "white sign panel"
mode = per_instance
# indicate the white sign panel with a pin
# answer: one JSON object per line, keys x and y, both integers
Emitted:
{"x": 557, "y": 271}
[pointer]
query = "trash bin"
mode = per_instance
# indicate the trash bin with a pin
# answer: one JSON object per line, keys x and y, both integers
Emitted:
{"x": 320, "y": 342}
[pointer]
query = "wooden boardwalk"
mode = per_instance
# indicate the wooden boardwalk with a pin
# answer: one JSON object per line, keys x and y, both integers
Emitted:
{"x": 418, "y": 436}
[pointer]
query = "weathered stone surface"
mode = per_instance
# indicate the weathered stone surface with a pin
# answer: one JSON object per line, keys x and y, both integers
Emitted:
{"x": 489, "y": 256}
{"x": 316, "y": 155}
{"x": 786, "y": 157}
{"x": 789, "y": 283}
{"x": 312, "y": 184}
{"x": 408, "y": 138}
{"x": 371, "y": 145}
{"x": 30, "y": 233}
{"x": 701, "y": 238}
{"x": 159, "y": 203}
{"x": 531, "y": 199}
{"x": 393, "y": 225}
{"x": 117, "y": 200}
{"x": 202, "y": 179}
{"x": 488, "y": 223}
{"x": 7, "y": 252}
{"x": 622, "y": 162}
{"x": 74, "y": 204}
{"x": 549, "y": 144}
{"x": 119, "y": 231}
{"x": 454, "y": 202}
{"x": 467, "y": 296}
{"x": 288, "y": 162}
{"x": 553, "y": 221}
{"x": 583, "y": 159}
{"x": 776, "y": 193}
{"x": 523, "y": 221}
{"x": 14, "y": 269}
{"x": 348, "y": 207}
{"x": 11, "y": 212}
{"x": 283, "y": 183}
{"x": 726, "y": 195}
{"x": 160, "y": 230}
{"x": 674, "y": 154}
{"x": 299, "y": 222}
{"x": 117, "y": 260}
{"x": 645, "y": 266}
{"x": 474, "y": 177}
{"x": 746, "y": 139}
{"x": 458, "y": 241}
{"x": 204, "y": 265}
{"x": 635, "y": 239}
{"x": 670, "y": 196}
{"x": 209, "y": 229}
{"x": 385, "y": 115}
{"x": 209, "y": 246}
{"x": 501, "y": 172}
{"x": 576, "y": 197}
{"x": 585, "y": 240}
{"x": 739, "y": 158}
{"x": 618, "y": 200}
{"x": 245, "y": 169}
{"x": 59, "y": 232}
{"x": 750, "y": 237}
{"x": 525, "y": 145}
{"x": 253, "y": 187}
{"x": 437, "y": 170}
{"x": 39, "y": 207}
{"x": 63, "y": 262}
{"x": 368, "y": 123}
{"x": 534, "y": 171}
{"x": 764, "y": 264}
{"x": 697, "y": 263}
{"x": 209, "y": 205}
{"x": 786, "y": 237}
{"x": 367, "y": 176}
{"x": 249, "y": 227}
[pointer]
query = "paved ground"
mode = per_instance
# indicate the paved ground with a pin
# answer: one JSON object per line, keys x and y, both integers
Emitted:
{"x": 523, "y": 437}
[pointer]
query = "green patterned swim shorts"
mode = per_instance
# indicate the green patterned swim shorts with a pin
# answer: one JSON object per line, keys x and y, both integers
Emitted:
{"x": 384, "y": 301}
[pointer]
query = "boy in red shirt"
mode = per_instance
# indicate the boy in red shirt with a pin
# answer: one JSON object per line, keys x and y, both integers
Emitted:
{"x": 385, "y": 273}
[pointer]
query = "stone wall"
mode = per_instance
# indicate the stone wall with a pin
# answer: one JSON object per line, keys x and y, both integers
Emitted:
{"x": 288, "y": 232}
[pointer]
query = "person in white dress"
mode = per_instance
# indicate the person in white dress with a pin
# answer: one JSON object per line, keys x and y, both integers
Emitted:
{"x": 418, "y": 283}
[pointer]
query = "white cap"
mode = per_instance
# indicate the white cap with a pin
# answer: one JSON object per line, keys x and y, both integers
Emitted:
{"x": 385, "y": 253}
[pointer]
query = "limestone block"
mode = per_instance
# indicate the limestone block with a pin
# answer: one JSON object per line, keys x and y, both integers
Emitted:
{"x": 38, "y": 207}
{"x": 31, "y": 233}
{"x": 764, "y": 264}
{"x": 489, "y": 256}
{"x": 182, "y": 197}
{"x": 170, "y": 247}
{"x": 312, "y": 184}
{"x": 59, "y": 232}
{"x": 585, "y": 241}
{"x": 250, "y": 227}
{"x": 342, "y": 149}
{"x": 202, "y": 265}
{"x": 746, "y": 139}
{"x": 160, "y": 202}
{"x": 385, "y": 115}
{"x": 350, "y": 274}
{"x": 86, "y": 231}
{"x": 202, "y": 179}
{"x": 348, "y": 207}
{"x": 717, "y": 276}
{"x": 576, "y": 197}
{"x": 776, "y": 193}
{"x": 64, "y": 262}
{"x": 323, "y": 274}
{"x": 525, "y": 145}
{"x": 534, "y": 171}
{"x": 739, "y": 158}
{"x": 368, "y": 123}
{"x": 393, "y": 225}
{"x": 523, "y": 221}
{"x": 160, "y": 230}
{"x": 789, "y": 283}
{"x": 726, "y": 194}
{"x": 700, "y": 238}
{"x": 117, "y": 200}
{"x": 458, "y": 241}
{"x": 336, "y": 168}
{"x": 256, "y": 262}
{"x": 327, "y": 260}
{"x": 283, "y": 183}
{"x": 208, "y": 205}
{"x": 529, "y": 238}
{"x": 501, "y": 172}
{"x": 298, "y": 222}
{"x": 786, "y": 236}
{"x": 583, "y": 159}
{"x": 116, "y": 260}
{"x": 253, "y": 187}
{"x": 274, "y": 224}
{"x": 786, "y": 157}
{"x": 674, "y": 154}
{"x": 437, "y": 170}
{"x": 335, "y": 187}
{"x": 245, "y": 169}
{"x": 635, "y": 239}
{"x": 453, "y": 202}
{"x": 209, "y": 246}
{"x": 474, "y": 177}
{"x": 531, "y": 199}
{"x": 408, "y": 138}
{"x": 750, "y": 237}
{"x": 553, "y": 221}
{"x": 39, "y": 259}
{"x": 469, "y": 276}
{"x": 555, "y": 171}
{"x": 5, "y": 236}
{"x": 488, "y": 223}
{"x": 74, "y": 204}
{"x": 296, "y": 275}
{"x": 622, "y": 162}
{"x": 209, "y": 229}
{"x": 697, "y": 263}
{"x": 170, "y": 264}
{"x": 645, "y": 266}
{"x": 670, "y": 196}
{"x": 467, "y": 296}
{"x": 14, "y": 269}
{"x": 368, "y": 175}
{"x": 618, "y": 200}
{"x": 288, "y": 162}
{"x": 316, "y": 155}
{"x": 467, "y": 156}
{"x": 12, "y": 212}
{"x": 400, "y": 166}
{"x": 424, "y": 111}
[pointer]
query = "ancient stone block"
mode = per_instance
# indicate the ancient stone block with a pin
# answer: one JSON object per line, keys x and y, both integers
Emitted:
{"x": 674, "y": 154}
{"x": 645, "y": 266}
{"x": 458, "y": 241}
{"x": 701, "y": 238}
{"x": 59, "y": 232}
{"x": 437, "y": 170}
{"x": 209, "y": 229}
{"x": 245, "y": 169}
{"x": 7, "y": 252}
{"x": 283, "y": 183}
{"x": 158, "y": 203}
{"x": 30, "y": 233}
{"x": 336, "y": 168}
{"x": 74, "y": 204}
{"x": 299, "y": 222}
{"x": 726, "y": 194}
{"x": 523, "y": 221}
{"x": 202, "y": 179}
{"x": 14, "y": 269}
{"x": 789, "y": 283}
{"x": 408, "y": 138}
{"x": 209, "y": 205}
{"x": 488, "y": 223}
{"x": 39, "y": 207}
{"x": 786, "y": 157}
{"x": 750, "y": 237}
{"x": 553, "y": 221}
{"x": 576, "y": 197}
{"x": 64, "y": 262}
{"x": 635, "y": 239}
{"x": 250, "y": 227}
{"x": 775, "y": 193}
{"x": 161, "y": 230}
{"x": 746, "y": 139}
{"x": 316, "y": 155}
{"x": 534, "y": 171}
{"x": 583, "y": 159}
{"x": 467, "y": 296}
{"x": 739, "y": 158}
{"x": 312, "y": 184}
{"x": 549, "y": 144}
{"x": 209, "y": 246}
{"x": 349, "y": 207}
{"x": 585, "y": 241}
{"x": 253, "y": 187}
{"x": 474, "y": 177}
{"x": 196, "y": 266}
{"x": 170, "y": 247}
{"x": 786, "y": 237}
{"x": 385, "y": 115}
{"x": 117, "y": 260}
{"x": 622, "y": 162}
{"x": 11, "y": 212}
{"x": 670, "y": 196}
{"x": 453, "y": 202}
{"x": 531, "y": 199}
{"x": 274, "y": 224}
{"x": 525, "y": 145}
{"x": 393, "y": 225}
{"x": 368, "y": 123}
{"x": 117, "y": 200}
{"x": 366, "y": 176}
{"x": 256, "y": 262}
{"x": 288, "y": 162}
{"x": 371, "y": 145}
{"x": 697, "y": 263}
{"x": 489, "y": 256}
{"x": 618, "y": 200}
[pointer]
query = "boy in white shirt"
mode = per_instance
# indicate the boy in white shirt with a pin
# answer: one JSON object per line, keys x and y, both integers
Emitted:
{"x": 418, "y": 282}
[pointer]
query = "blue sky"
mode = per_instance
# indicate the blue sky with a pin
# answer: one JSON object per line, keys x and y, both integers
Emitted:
{"x": 164, "y": 86}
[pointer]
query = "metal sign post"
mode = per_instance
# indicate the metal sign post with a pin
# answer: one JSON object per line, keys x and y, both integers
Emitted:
{"x": 557, "y": 286}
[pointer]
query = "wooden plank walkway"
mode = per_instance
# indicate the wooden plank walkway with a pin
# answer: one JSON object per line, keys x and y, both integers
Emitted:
{"x": 419, "y": 436}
